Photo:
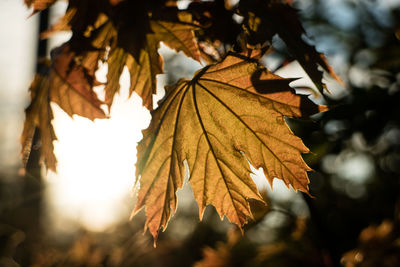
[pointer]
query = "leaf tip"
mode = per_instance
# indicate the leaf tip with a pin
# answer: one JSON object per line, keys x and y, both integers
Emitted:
{"x": 322, "y": 108}
{"x": 241, "y": 229}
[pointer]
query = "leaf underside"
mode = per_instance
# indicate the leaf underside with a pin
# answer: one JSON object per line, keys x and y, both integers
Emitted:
{"x": 71, "y": 84}
{"x": 143, "y": 60}
{"x": 38, "y": 117}
{"x": 228, "y": 114}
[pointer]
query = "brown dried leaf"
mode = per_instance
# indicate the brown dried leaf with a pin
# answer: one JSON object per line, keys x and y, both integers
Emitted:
{"x": 143, "y": 71}
{"x": 264, "y": 20}
{"x": 63, "y": 24}
{"x": 144, "y": 62}
{"x": 71, "y": 85}
{"x": 73, "y": 71}
{"x": 133, "y": 42}
{"x": 39, "y": 116}
{"x": 178, "y": 36}
{"x": 227, "y": 114}
{"x": 116, "y": 63}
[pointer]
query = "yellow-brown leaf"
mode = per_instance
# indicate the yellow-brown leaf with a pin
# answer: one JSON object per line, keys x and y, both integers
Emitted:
{"x": 71, "y": 85}
{"x": 39, "y": 116}
{"x": 227, "y": 114}
{"x": 116, "y": 63}
{"x": 61, "y": 25}
{"x": 143, "y": 61}
{"x": 143, "y": 72}
{"x": 178, "y": 36}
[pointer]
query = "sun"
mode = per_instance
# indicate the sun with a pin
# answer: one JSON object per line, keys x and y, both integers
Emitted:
{"x": 96, "y": 159}
{"x": 96, "y": 162}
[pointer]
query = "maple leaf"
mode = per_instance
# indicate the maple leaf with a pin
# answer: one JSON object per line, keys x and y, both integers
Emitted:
{"x": 143, "y": 61}
{"x": 116, "y": 63}
{"x": 72, "y": 76}
{"x": 143, "y": 70}
{"x": 81, "y": 17}
{"x": 217, "y": 27}
{"x": 228, "y": 114}
{"x": 39, "y": 116}
{"x": 132, "y": 40}
{"x": 63, "y": 23}
{"x": 71, "y": 84}
{"x": 264, "y": 20}
{"x": 177, "y": 35}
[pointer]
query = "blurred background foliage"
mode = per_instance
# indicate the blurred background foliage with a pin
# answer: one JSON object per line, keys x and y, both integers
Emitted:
{"x": 354, "y": 215}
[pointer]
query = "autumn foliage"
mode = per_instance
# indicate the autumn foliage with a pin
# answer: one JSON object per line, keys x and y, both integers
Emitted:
{"x": 231, "y": 113}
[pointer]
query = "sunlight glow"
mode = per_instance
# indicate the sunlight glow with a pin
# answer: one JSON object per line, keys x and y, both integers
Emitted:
{"x": 96, "y": 162}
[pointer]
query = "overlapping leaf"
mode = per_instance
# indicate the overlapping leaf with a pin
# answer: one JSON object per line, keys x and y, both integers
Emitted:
{"x": 227, "y": 114}
{"x": 177, "y": 33}
{"x": 264, "y": 19}
{"x": 105, "y": 32}
{"x": 133, "y": 42}
{"x": 218, "y": 27}
{"x": 80, "y": 17}
{"x": 74, "y": 64}
{"x": 71, "y": 84}
{"x": 144, "y": 62}
{"x": 39, "y": 116}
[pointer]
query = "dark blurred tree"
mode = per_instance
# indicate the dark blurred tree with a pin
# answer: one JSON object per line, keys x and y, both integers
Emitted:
{"x": 363, "y": 130}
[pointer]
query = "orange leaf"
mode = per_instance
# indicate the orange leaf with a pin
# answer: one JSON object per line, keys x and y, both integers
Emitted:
{"x": 143, "y": 61}
{"x": 39, "y": 116}
{"x": 178, "y": 36}
{"x": 228, "y": 114}
{"x": 71, "y": 85}
{"x": 132, "y": 42}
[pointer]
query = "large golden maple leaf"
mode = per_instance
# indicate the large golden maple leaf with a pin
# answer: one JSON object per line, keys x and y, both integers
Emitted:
{"x": 228, "y": 115}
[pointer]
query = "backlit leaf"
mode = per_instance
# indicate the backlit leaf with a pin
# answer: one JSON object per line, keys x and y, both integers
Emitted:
{"x": 39, "y": 116}
{"x": 143, "y": 70}
{"x": 71, "y": 85}
{"x": 265, "y": 19}
{"x": 144, "y": 62}
{"x": 132, "y": 40}
{"x": 228, "y": 114}
{"x": 178, "y": 36}
{"x": 73, "y": 71}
